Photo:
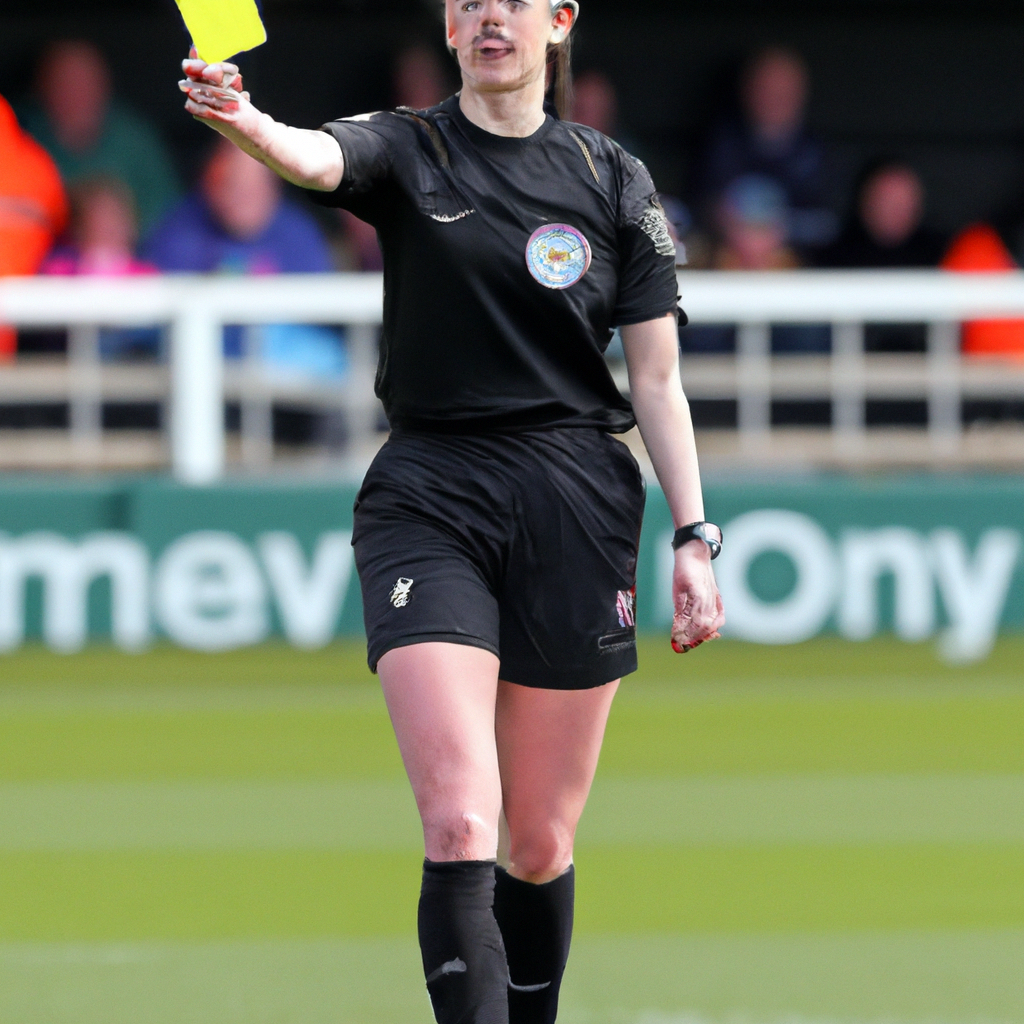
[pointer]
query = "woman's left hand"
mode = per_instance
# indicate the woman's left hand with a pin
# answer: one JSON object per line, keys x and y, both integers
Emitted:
{"x": 699, "y": 614}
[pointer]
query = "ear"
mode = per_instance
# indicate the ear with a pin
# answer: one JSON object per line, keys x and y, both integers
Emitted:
{"x": 449, "y": 26}
{"x": 565, "y": 15}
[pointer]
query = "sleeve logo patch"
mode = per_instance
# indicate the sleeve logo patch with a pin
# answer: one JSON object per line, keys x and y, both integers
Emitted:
{"x": 655, "y": 225}
{"x": 558, "y": 256}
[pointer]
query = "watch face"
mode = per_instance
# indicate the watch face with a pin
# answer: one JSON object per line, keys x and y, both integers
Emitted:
{"x": 712, "y": 536}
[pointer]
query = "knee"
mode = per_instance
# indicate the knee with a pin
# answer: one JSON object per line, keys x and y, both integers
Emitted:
{"x": 459, "y": 836}
{"x": 541, "y": 854}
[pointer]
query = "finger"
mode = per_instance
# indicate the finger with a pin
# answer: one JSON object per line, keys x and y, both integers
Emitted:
{"x": 211, "y": 74}
{"x": 211, "y": 92}
{"x": 194, "y": 70}
{"x": 212, "y": 95}
{"x": 215, "y": 106}
{"x": 720, "y": 612}
{"x": 681, "y": 648}
{"x": 690, "y": 632}
{"x": 684, "y": 648}
{"x": 221, "y": 74}
{"x": 720, "y": 617}
{"x": 199, "y": 110}
{"x": 683, "y": 602}
{"x": 187, "y": 85}
{"x": 204, "y": 112}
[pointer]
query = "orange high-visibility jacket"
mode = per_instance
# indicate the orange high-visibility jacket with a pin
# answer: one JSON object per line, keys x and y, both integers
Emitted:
{"x": 33, "y": 206}
{"x": 979, "y": 248}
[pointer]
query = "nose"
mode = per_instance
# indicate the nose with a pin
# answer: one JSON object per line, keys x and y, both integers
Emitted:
{"x": 493, "y": 14}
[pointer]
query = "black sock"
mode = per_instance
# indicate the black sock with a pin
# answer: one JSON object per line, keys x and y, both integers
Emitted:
{"x": 536, "y": 924}
{"x": 463, "y": 955}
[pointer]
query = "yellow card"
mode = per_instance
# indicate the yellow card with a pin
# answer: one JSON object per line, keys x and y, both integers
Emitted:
{"x": 222, "y": 28}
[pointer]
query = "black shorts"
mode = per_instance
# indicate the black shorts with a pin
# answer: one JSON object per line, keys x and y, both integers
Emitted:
{"x": 523, "y": 544}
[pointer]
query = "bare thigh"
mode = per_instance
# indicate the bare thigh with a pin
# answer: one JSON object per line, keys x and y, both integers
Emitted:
{"x": 549, "y": 742}
{"x": 441, "y": 698}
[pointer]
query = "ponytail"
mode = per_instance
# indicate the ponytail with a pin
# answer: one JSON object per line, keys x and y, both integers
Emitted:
{"x": 560, "y": 77}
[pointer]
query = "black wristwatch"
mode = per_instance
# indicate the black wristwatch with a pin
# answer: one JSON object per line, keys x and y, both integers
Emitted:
{"x": 707, "y": 532}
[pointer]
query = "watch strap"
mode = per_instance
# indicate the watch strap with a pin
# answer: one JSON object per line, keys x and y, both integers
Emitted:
{"x": 707, "y": 532}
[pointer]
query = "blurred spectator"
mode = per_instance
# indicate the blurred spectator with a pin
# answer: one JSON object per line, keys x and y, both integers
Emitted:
{"x": 33, "y": 207}
{"x": 752, "y": 230}
{"x": 239, "y": 222}
{"x": 768, "y": 136}
{"x": 103, "y": 233}
{"x": 977, "y": 249}
{"x": 752, "y": 226}
{"x": 89, "y": 134}
{"x": 357, "y": 248}
{"x": 421, "y": 78}
{"x": 595, "y": 103}
{"x": 885, "y": 227}
{"x": 101, "y": 243}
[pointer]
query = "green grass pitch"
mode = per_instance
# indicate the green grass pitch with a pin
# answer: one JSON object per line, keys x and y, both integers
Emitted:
{"x": 826, "y": 833}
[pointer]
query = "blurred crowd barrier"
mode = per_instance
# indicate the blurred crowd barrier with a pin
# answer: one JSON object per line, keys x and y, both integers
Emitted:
{"x": 761, "y": 407}
{"x": 927, "y": 558}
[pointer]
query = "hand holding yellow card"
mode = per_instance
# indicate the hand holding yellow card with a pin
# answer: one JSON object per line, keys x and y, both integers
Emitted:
{"x": 222, "y": 28}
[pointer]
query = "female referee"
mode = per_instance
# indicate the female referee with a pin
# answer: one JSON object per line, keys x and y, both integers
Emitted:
{"x": 496, "y": 532}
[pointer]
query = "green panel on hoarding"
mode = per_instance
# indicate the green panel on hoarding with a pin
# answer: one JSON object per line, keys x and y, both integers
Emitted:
{"x": 158, "y": 513}
{"x": 71, "y": 508}
{"x": 161, "y": 512}
{"x": 969, "y": 505}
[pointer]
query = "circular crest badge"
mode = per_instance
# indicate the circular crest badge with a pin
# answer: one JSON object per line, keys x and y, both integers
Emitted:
{"x": 558, "y": 255}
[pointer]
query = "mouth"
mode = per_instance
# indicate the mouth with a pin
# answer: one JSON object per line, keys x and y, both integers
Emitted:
{"x": 494, "y": 49}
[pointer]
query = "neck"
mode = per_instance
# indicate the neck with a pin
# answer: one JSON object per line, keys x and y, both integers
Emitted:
{"x": 516, "y": 113}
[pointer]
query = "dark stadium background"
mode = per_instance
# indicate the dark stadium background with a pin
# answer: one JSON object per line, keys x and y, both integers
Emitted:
{"x": 935, "y": 81}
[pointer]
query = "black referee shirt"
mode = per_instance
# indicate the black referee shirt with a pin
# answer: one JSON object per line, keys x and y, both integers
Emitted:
{"x": 507, "y": 263}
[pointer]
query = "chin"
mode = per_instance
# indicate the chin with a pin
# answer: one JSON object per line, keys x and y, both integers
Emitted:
{"x": 496, "y": 79}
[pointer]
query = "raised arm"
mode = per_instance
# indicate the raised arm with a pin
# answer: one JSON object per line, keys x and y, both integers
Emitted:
{"x": 311, "y": 159}
{"x": 663, "y": 415}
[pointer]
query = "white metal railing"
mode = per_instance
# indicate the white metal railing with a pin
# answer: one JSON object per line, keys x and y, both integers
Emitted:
{"x": 849, "y": 376}
{"x": 196, "y": 308}
{"x": 199, "y": 379}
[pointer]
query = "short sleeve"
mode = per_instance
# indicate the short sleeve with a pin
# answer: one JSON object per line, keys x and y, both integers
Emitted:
{"x": 648, "y": 287}
{"x": 367, "y": 146}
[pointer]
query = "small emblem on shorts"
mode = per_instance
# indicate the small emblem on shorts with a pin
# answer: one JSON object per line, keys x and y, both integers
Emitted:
{"x": 626, "y": 607}
{"x": 558, "y": 255}
{"x": 401, "y": 593}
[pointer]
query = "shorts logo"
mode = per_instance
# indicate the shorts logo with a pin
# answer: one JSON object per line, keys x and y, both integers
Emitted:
{"x": 626, "y": 607}
{"x": 558, "y": 256}
{"x": 401, "y": 593}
